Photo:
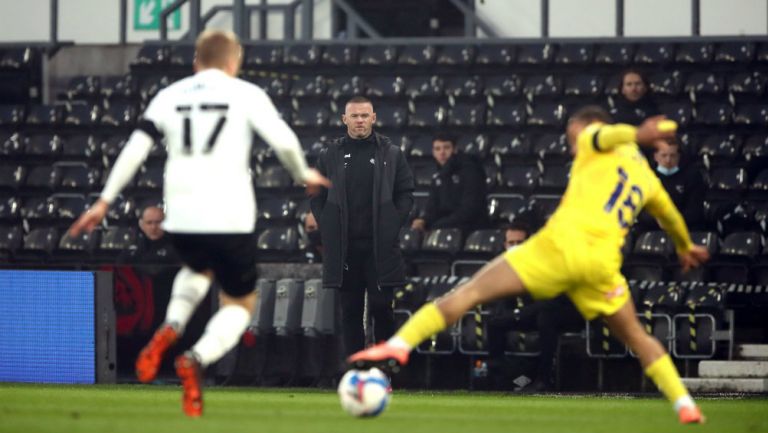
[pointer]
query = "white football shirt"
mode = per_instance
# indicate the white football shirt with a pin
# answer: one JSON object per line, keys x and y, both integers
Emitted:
{"x": 208, "y": 121}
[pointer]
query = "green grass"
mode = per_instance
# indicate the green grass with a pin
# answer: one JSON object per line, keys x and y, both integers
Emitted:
{"x": 145, "y": 409}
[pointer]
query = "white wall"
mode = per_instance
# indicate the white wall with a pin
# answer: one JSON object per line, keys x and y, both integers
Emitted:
{"x": 734, "y": 17}
{"x": 97, "y": 21}
{"x": 596, "y": 18}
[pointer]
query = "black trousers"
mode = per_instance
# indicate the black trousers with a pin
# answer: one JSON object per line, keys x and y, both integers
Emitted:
{"x": 550, "y": 318}
{"x": 360, "y": 278}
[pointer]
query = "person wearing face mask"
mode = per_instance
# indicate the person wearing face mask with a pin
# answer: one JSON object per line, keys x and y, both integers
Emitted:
{"x": 633, "y": 104}
{"x": 685, "y": 185}
{"x": 457, "y": 192}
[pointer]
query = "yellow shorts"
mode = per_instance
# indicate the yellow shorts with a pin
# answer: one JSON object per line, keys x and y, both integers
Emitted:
{"x": 588, "y": 270}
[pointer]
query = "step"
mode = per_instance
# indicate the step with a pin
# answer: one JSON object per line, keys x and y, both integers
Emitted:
{"x": 752, "y": 351}
{"x": 745, "y": 369}
{"x": 701, "y": 384}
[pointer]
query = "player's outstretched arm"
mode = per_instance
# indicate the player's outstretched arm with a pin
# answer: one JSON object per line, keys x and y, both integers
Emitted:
{"x": 314, "y": 181}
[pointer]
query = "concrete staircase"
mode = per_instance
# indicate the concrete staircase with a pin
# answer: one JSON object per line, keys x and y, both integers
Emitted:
{"x": 749, "y": 374}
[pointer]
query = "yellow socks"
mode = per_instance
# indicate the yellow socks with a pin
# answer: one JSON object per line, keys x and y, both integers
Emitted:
{"x": 664, "y": 375}
{"x": 427, "y": 322}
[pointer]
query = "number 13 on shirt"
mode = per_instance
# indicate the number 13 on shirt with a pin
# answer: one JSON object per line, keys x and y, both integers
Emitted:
{"x": 629, "y": 207}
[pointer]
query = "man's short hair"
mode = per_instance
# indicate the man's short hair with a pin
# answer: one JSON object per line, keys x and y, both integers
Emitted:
{"x": 216, "y": 47}
{"x": 444, "y": 136}
{"x": 635, "y": 71}
{"x": 591, "y": 113}
{"x": 359, "y": 99}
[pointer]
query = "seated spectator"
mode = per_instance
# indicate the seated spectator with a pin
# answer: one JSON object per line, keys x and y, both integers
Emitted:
{"x": 457, "y": 193}
{"x": 152, "y": 246}
{"x": 549, "y": 318}
{"x": 633, "y": 104}
{"x": 684, "y": 184}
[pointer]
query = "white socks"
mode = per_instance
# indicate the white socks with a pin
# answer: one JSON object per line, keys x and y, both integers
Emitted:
{"x": 684, "y": 401}
{"x": 189, "y": 288}
{"x": 222, "y": 333}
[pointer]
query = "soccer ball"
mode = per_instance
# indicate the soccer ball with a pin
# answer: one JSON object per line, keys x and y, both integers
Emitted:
{"x": 364, "y": 392}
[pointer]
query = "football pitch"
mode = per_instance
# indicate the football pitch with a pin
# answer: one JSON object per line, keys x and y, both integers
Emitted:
{"x": 145, "y": 409}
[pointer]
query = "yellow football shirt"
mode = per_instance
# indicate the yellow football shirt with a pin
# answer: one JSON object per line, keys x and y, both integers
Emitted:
{"x": 610, "y": 182}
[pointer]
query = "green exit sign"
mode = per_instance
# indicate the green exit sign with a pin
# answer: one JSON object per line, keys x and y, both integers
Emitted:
{"x": 146, "y": 15}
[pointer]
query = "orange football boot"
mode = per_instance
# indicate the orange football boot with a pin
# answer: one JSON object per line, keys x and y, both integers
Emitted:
{"x": 151, "y": 356}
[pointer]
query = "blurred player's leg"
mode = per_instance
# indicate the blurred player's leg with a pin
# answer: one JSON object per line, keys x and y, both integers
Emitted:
{"x": 495, "y": 280}
{"x": 221, "y": 334}
{"x": 189, "y": 288}
{"x": 655, "y": 361}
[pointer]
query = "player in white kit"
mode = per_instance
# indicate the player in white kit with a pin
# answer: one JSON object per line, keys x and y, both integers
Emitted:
{"x": 207, "y": 122}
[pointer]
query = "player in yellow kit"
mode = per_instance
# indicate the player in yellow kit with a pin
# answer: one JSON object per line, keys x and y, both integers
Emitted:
{"x": 578, "y": 252}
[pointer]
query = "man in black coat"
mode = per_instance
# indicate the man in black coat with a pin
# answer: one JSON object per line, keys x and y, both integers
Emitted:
{"x": 457, "y": 193}
{"x": 633, "y": 104}
{"x": 360, "y": 218}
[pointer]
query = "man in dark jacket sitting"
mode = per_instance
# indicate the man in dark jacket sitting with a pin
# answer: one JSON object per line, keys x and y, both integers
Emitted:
{"x": 457, "y": 193}
{"x": 360, "y": 218}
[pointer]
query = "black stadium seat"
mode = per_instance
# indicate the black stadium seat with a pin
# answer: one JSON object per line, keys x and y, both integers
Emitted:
{"x": 417, "y": 55}
{"x": 303, "y": 54}
{"x": 618, "y": 54}
{"x": 510, "y": 114}
{"x": 654, "y": 53}
{"x": 502, "y": 86}
{"x": 263, "y": 55}
{"x": 340, "y": 55}
{"x": 456, "y": 55}
{"x": 424, "y": 87}
{"x": 694, "y": 53}
{"x": 496, "y": 54}
{"x": 378, "y": 55}
{"x": 343, "y": 87}
{"x": 734, "y": 52}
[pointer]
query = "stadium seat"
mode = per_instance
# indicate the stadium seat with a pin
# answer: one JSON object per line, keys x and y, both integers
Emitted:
{"x": 340, "y": 55}
{"x": 583, "y": 85}
{"x": 152, "y": 85}
{"x": 473, "y": 144}
{"x": 549, "y": 114}
{"x": 520, "y": 178}
{"x": 704, "y": 84}
{"x": 495, "y": 55}
{"x": 419, "y": 146}
{"x": 492, "y": 175}
{"x": 506, "y": 208}
{"x": 11, "y": 143}
{"x": 118, "y": 87}
{"x": 43, "y": 177}
{"x": 38, "y": 208}
{"x": 666, "y": 84}
{"x": 77, "y": 248}
{"x": 80, "y": 147}
{"x": 619, "y": 54}
{"x": 11, "y": 115}
{"x": 732, "y": 179}
{"x": 456, "y": 55}
{"x": 11, "y": 238}
{"x": 694, "y": 53}
{"x": 10, "y": 208}
{"x": 385, "y": 87}
{"x": 112, "y": 146}
{"x": 277, "y": 209}
{"x": 122, "y": 210}
{"x": 761, "y": 54}
{"x": 751, "y": 114}
{"x": 303, "y": 54}
{"x": 541, "y": 207}
{"x": 43, "y": 145}
{"x": 420, "y": 199}
{"x": 424, "y": 87}
{"x": 464, "y": 87}
{"x": 423, "y": 172}
{"x": 119, "y": 114}
{"x": 575, "y": 54}
{"x": 536, "y": 54}
{"x": 378, "y": 55}
{"x": 448, "y": 241}
{"x": 654, "y": 245}
{"x": 78, "y": 176}
{"x": 18, "y": 57}
{"x": 737, "y": 251}
{"x": 275, "y": 87}
{"x": 305, "y": 87}
{"x": 41, "y": 241}
{"x": 49, "y": 115}
{"x": 515, "y": 146}
{"x": 152, "y": 55}
{"x": 417, "y": 55}
{"x": 312, "y": 145}
{"x": 502, "y": 86}
{"x": 114, "y": 240}
{"x": 410, "y": 240}
{"x": 508, "y": 114}
{"x": 425, "y": 114}
{"x": 654, "y": 53}
{"x": 311, "y": 114}
{"x": 260, "y": 55}
{"x": 466, "y": 115}
{"x": 181, "y": 55}
{"x": 546, "y": 86}
{"x": 150, "y": 177}
{"x": 720, "y": 149}
{"x": 273, "y": 176}
{"x": 680, "y": 111}
{"x": 696, "y": 331}
{"x": 554, "y": 180}
{"x": 741, "y": 244}
{"x": 760, "y": 182}
{"x": 69, "y": 206}
{"x": 485, "y": 242}
{"x": 735, "y": 52}
{"x": 551, "y": 147}
{"x": 12, "y": 176}
{"x": 714, "y": 113}
{"x": 746, "y": 83}
{"x": 278, "y": 242}
{"x": 344, "y": 87}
